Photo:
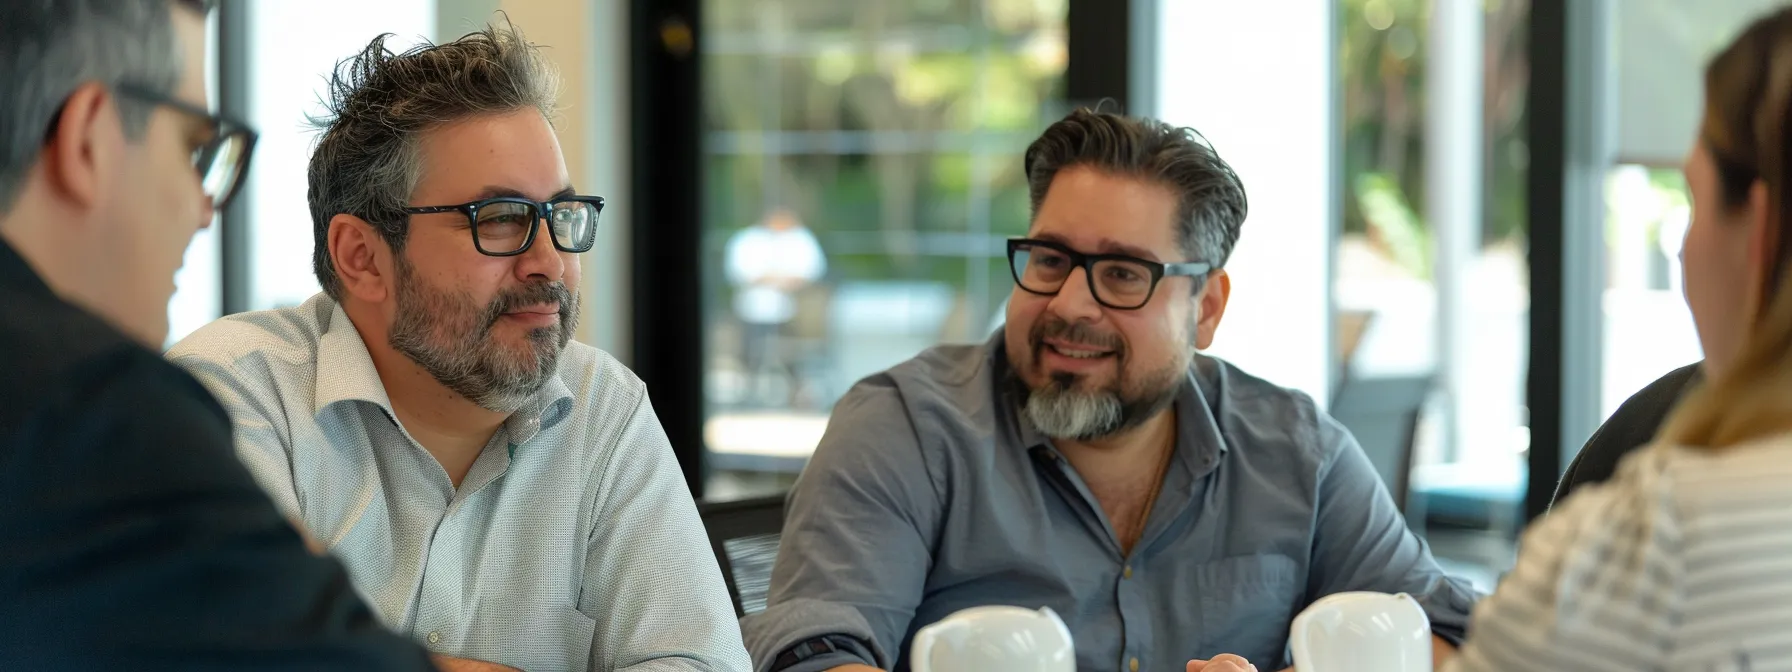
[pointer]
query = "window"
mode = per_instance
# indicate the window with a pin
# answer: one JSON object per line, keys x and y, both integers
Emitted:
{"x": 1431, "y": 286}
{"x": 292, "y": 48}
{"x": 861, "y": 170}
{"x": 199, "y": 294}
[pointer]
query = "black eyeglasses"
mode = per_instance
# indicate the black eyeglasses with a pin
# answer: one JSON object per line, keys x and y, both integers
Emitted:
{"x": 505, "y": 226}
{"x": 1116, "y": 280}
{"x": 222, "y": 159}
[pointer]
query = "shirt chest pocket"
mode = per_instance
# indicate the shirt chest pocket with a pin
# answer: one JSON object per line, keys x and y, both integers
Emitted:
{"x": 1247, "y": 604}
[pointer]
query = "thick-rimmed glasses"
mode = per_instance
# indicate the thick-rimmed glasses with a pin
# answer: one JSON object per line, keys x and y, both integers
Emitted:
{"x": 505, "y": 226}
{"x": 222, "y": 159}
{"x": 1116, "y": 280}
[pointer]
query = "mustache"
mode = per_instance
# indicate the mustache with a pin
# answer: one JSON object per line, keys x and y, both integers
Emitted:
{"x": 529, "y": 295}
{"x": 1075, "y": 332}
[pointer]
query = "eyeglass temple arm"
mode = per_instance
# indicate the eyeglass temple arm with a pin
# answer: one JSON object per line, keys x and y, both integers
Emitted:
{"x": 435, "y": 209}
{"x": 1188, "y": 268}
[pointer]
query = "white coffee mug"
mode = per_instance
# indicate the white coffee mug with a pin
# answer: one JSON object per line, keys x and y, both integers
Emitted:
{"x": 1362, "y": 632}
{"x": 982, "y": 639}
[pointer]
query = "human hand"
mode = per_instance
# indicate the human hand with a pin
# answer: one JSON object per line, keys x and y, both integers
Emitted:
{"x": 1224, "y": 662}
{"x": 311, "y": 543}
{"x": 452, "y": 664}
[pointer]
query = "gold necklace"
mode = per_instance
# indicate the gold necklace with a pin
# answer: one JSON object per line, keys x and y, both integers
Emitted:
{"x": 1157, "y": 485}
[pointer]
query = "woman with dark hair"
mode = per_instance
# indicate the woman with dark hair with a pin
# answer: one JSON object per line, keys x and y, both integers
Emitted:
{"x": 1683, "y": 560}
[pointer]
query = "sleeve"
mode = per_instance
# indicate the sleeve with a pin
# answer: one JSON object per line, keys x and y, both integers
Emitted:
{"x": 1595, "y": 588}
{"x": 1362, "y": 542}
{"x": 739, "y": 264}
{"x": 857, "y": 543}
{"x": 130, "y": 538}
{"x": 257, "y": 439}
{"x": 811, "y": 263}
{"x": 651, "y": 581}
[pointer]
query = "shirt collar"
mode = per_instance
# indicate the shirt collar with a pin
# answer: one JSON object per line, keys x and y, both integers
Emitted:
{"x": 17, "y": 273}
{"x": 345, "y": 372}
{"x": 1199, "y": 441}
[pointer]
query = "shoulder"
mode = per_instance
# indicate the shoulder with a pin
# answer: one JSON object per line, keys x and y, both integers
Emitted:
{"x": 1702, "y": 483}
{"x": 600, "y": 383}
{"x": 608, "y": 416}
{"x": 260, "y": 356}
{"x": 121, "y": 407}
{"x": 945, "y": 387}
{"x": 1260, "y": 416}
{"x": 69, "y": 359}
{"x": 45, "y": 339}
{"x": 291, "y": 334}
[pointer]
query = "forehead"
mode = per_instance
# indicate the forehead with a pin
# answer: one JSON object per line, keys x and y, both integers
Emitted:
{"x": 1098, "y": 212}
{"x": 514, "y": 151}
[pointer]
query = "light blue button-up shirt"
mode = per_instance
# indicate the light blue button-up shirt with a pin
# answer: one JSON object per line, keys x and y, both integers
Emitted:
{"x": 929, "y": 494}
{"x": 571, "y": 544}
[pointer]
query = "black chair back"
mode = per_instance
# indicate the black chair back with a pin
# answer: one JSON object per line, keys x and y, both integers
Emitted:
{"x": 744, "y": 536}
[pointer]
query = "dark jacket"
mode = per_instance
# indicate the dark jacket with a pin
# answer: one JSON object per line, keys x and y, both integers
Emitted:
{"x": 130, "y": 536}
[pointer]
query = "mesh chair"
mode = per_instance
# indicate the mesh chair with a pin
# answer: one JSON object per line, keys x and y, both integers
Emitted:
{"x": 744, "y": 536}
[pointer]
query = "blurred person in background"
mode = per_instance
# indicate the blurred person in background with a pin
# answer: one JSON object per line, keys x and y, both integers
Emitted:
{"x": 130, "y": 536}
{"x": 769, "y": 263}
{"x": 499, "y": 492}
{"x": 1169, "y": 506}
{"x": 1683, "y": 560}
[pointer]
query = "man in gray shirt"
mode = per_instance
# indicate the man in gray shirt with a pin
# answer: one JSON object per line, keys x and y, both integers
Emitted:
{"x": 1168, "y": 506}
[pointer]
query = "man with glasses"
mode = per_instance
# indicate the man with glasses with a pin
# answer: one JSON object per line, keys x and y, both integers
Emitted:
{"x": 501, "y": 493}
{"x": 1172, "y": 509}
{"x": 130, "y": 536}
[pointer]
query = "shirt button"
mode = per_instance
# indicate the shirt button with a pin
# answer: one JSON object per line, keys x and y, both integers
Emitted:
{"x": 1134, "y": 665}
{"x": 1127, "y": 573}
{"x": 436, "y": 638}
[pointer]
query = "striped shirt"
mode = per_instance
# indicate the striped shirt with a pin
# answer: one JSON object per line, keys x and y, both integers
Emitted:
{"x": 571, "y": 544}
{"x": 1682, "y": 562}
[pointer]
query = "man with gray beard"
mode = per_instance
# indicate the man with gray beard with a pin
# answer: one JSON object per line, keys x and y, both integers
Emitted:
{"x": 500, "y": 493}
{"x": 1176, "y": 512}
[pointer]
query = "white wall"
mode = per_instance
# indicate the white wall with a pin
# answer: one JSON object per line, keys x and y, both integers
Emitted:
{"x": 1662, "y": 49}
{"x": 293, "y": 47}
{"x": 1256, "y": 79}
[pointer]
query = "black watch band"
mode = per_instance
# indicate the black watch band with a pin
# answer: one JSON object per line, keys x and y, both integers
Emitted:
{"x": 812, "y": 647}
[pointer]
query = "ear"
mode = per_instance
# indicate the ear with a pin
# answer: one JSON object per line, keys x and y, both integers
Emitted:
{"x": 1210, "y": 303}
{"x": 85, "y": 148}
{"x": 1763, "y": 242}
{"x": 361, "y": 258}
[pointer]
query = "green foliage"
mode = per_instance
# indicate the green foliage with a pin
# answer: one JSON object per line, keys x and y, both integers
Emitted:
{"x": 1382, "y": 65}
{"x": 1393, "y": 224}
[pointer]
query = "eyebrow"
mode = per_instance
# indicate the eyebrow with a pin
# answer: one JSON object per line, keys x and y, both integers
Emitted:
{"x": 494, "y": 191}
{"x": 1105, "y": 246}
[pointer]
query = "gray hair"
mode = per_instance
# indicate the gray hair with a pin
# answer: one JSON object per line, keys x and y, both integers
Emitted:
{"x": 1211, "y": 202}
{"x": 380, "y": 104}
{"x": 48, "y": 48}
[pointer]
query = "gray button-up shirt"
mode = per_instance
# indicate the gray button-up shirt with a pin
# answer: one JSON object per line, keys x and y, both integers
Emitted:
{"x": 930, "y": 494}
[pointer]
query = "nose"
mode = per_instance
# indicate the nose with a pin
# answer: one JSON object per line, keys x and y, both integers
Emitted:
{"x": 1074, "y": 301}
{"x": 542, "y": 258}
